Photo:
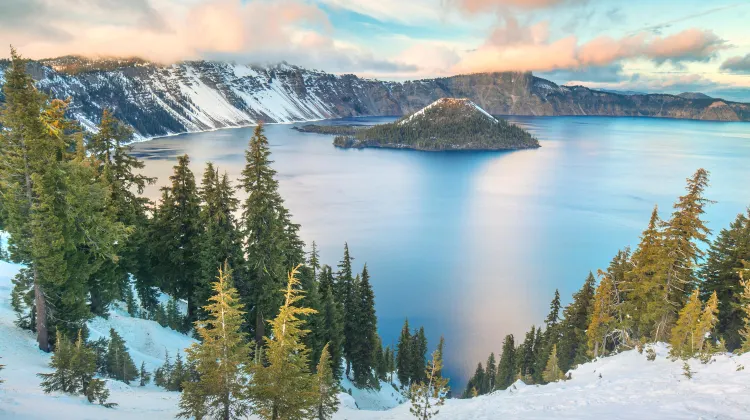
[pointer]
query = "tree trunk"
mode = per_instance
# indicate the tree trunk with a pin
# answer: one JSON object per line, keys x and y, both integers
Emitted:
{"x": 42, "y": 335}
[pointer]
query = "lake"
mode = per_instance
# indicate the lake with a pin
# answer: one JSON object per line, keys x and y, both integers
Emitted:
{"x": 473, "y": 244}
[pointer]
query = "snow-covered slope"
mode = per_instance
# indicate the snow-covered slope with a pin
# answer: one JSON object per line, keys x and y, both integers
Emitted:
{"x": 22, "y": 398}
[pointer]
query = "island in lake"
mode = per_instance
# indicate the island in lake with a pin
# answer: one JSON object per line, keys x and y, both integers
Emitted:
{"x": 446, "y": 124}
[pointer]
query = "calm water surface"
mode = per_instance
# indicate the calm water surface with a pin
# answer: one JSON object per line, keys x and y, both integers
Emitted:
{"x": 473, "y": 244}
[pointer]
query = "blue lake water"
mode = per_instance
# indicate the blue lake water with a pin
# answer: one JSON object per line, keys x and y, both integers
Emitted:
{"x": 473, "y": 244}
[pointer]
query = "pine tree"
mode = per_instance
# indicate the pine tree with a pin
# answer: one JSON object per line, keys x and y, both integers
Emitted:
{"x": 220, "y": 359}
{"x": 721, "y": 274}
{"x": 179, "y": 375}
{"x": 75, "y": 367}
{"x": 44, "y": 160}
{"x": 552, "y": 372}
{"x": 263, "y": 235}
{"x": 332, "y": 326}
{"x": 404, "y": 355}
{"x": 162, "y": 373}
{"x": 119, "y": 365}
{"x": 745, "y": 303}
{"x": 550, "y": 336}
{"x": 366, "y": 338}
{"x": 220, "y": 240}
{"x": 419, "y": 355}
{"x": 489, "y": 380}
{"x": 526, "y": 359}
{"x": 173, "y": 317}
{"x": 118, "y": 169}
{"x": 538, "y": 350}
{"x": 325, "y": 386}
{"x": 347, "y": 294}
{"x": 684, "y": 232}
{"x": 682, "y": 336}
{"x": 175, "y": 237}
{"x": 477, "y": 380}
{"x": 572, "y": 347}
{"x": 282, "y": 387}
{"x": 506, "y": 369}
{"x": 602, "y": 317}
{"x": 143, "y": 374}
{"x": 428, "y": 396}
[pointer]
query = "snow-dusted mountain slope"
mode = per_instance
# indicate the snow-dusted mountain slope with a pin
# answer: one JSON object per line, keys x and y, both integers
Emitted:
{"x": 202, "y": 95}
{"x": 625, "y": 386}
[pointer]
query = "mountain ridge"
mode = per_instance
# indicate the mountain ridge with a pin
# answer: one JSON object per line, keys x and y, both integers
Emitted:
{"x": 159, "y": 100}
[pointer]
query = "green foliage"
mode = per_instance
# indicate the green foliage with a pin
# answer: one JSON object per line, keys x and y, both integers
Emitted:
{"x": 695, "y": 322}
{"x": 552, "y": 372}
{"x": 366, "y": 339}
{"x": 55, "y": 206}
{"x": 220, "y": 359}
{"x": 74, "y": 369}
{"x": 119, "y": 364}
{"x": 266, "y": 235}
{"x": 282, "y": 387}
{"x": 506, "y": 369}
{"x": 326, "y": 387}
{"x": 721, "y": 274}
{"x": 449, "y": 125}
{"x": 339, "y": 130}
{"x": 572, "y": 346}
{"x": 143, "y": 374}
{"x": 220, "y": 242}
{"x": 428, "y": 396}
{"x": 175, "y": 235}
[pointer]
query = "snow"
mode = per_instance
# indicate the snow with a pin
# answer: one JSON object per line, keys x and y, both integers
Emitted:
{"x": 624, "y": 386}
{"x": 448, "y": 102}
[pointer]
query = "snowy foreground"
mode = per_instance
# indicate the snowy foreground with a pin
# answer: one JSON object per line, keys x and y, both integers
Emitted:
{"x": 630, "y": 387}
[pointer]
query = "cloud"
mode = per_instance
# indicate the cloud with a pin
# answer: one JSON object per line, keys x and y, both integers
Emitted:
{"x": 514, "y": 47}
{"x": 737, "y": 64}
{"x": 480, "y": 6}
{"x": 612, "y": 73}
{"x": 260, "y": 31}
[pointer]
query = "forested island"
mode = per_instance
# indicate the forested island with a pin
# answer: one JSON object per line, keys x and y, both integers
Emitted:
{"x": 336, "y": 130}
{"x": 446, "y": 124}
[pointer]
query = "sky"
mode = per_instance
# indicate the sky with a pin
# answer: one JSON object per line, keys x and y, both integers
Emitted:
{"x": 633, "y": 45}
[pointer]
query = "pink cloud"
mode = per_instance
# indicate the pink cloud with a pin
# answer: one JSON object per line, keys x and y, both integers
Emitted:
{"x": 478, "y": 6}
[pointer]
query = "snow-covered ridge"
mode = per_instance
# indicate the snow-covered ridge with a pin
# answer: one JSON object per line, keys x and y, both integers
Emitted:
{"x": 447, "y": 103}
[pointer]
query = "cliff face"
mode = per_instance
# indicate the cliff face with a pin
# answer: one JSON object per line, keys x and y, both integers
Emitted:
{"x": 199, "y": 95}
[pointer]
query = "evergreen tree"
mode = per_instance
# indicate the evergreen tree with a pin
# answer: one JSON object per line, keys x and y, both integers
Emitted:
{"x": 263, "y": 235}
{"x": 745, "y": 303}
{"x": 173, "y": 317}
{"x": 428, "y": 396}
{"x": 175, "y": 237}
{"x": 144, "y": 375}
{"x": 325, "y": 385}
{"x": 538, "y": 351}
{"x": 573, "y": 346}
{"x": 282, "y": 387}
{"x": 477, "y": 380}
{"x": 332, "y": 327}
{"x": 162, "y": 373}
{"x": 404, "y": 355}
{"x": 602, "y": 317}
{"x": 684, "y": 233}
{"x": 220, "y": 240}
{"x": 347, "y": 294}
{"x": 721, "y": 274}
{"x": 46, "y": 180}
{"x": 489, "y": 380}
{"x": 506, "y": 369}
{"x": 75, "y": 367}
{"x": 119, "y": 171}
{"x": 119, "y": 365}
{"x": 419, "y": 355}
{"x": 694, "y": 324}
{"x": 526, "y": 359}
{"x": 220, "y": 359}
{"x": 551, "y": 334}
{"x": 552, "y": 372}
{"x": 366, "y": 338}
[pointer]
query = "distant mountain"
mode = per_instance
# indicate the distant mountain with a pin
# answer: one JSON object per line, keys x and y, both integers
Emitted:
{"x": 446, "y": 124}
{"x": 622, "y": 92}
{"x": 694, "y": 95}
{"x": 201, "y": 95}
